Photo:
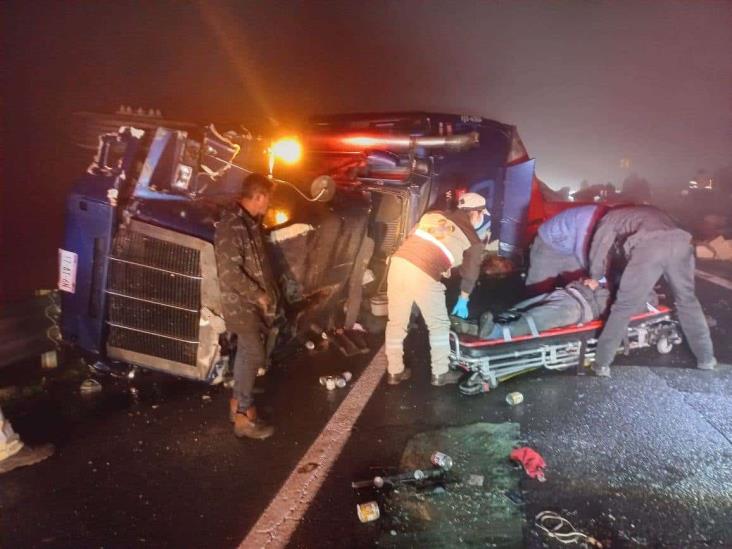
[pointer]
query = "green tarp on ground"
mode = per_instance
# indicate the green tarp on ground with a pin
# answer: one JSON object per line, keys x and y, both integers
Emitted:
{"x": 462, "y": 514}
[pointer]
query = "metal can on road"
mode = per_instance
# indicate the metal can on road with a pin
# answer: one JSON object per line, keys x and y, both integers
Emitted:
{"x": 514, "y": 398}
{"x": 443, "y": 461}
{"x": 368, "y": 512}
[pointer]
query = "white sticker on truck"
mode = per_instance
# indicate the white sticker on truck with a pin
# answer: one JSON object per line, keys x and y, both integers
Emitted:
{"x": 67, "y": 266}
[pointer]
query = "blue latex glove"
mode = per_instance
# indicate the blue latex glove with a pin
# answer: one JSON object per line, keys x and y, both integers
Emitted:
{"x": 461, "y": 307}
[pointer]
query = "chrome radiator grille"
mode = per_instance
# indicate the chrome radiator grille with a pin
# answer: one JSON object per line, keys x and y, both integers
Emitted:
{"x": 154, "y": 290}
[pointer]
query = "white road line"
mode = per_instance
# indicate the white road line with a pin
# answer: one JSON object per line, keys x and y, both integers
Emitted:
{"x": 714, "y": 279}
{"x": 279, "y": 521}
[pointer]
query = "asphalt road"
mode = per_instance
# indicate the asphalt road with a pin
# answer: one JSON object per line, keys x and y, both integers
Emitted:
{"x": 641, "y": 459}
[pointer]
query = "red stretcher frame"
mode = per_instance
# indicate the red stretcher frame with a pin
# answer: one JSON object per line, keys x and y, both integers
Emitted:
{"x": 491, "y": 361}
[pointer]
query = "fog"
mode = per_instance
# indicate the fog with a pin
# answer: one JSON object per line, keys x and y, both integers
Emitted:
{"x": 587, "y": 83}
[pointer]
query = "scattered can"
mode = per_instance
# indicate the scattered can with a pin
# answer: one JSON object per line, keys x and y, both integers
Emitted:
{"x": 514, "y": 398}
{"x": 443, "y": 461}
{"x": 368, "y": 512}
{"x": 331, "y": 382}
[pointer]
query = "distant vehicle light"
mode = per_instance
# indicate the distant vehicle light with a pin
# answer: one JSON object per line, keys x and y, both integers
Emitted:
{"x": 287, "y": 149}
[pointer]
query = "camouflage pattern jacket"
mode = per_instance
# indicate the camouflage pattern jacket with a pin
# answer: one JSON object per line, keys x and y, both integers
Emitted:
{"x": 244, "y": 269}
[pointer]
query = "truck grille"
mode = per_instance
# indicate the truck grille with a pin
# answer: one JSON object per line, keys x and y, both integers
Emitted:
{"x": 154, "y": 289}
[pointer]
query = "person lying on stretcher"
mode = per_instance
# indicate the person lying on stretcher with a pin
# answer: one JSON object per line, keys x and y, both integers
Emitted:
{"x": 577, "y": 303}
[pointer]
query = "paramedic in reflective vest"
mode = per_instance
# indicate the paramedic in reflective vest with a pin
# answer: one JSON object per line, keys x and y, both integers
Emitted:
{"x": 560, "y": 248}
{"x": 439, "y": 242}
{"x": 249, "y": 297}
{"x": 578, "y": 303}
{"x": 653, "y": 246}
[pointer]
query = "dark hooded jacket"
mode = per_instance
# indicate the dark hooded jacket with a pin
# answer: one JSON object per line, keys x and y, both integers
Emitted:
{"x": 244, "y": 270}
{"x": 623, "y": 227}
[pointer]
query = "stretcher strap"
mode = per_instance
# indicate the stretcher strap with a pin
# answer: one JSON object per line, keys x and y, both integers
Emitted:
{"x": 532, "y": 325}
{"x": 506, "y": 333}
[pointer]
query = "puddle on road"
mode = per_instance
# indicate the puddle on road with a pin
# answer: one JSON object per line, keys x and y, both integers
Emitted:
{"x": 461, "y": 510}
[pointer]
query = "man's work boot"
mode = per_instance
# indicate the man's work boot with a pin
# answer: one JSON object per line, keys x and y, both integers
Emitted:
{"x": 599, "y": 371}
{"x": 247, "y": 424}
{"x": 708, "y": 365}
{"x": 396, "y": 379}
{"x": 27, "y": 455}
{"x": 448, "y": 378}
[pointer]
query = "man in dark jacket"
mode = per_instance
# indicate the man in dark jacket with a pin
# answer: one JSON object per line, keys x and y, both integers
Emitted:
{"x": 249, "y": 296}
{"x": 653, "y": 246}
{"x": 578, "y": 303}
{"x": 559, "y": 252}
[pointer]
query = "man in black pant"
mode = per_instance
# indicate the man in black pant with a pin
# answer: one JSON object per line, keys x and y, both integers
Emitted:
{"x": 654, "y": 246}
{"x": 249, "y": 296}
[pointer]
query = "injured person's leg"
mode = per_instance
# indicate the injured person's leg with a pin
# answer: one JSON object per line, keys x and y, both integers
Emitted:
{"x": 556, "y": 310}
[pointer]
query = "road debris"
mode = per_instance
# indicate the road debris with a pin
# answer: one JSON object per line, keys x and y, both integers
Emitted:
{"x": 439, "y": 513}
{"x": 531, "y": 461}
{"x": 331, "y": 382}
{"x": 559, "y": 528}
{"x": 514, "y": 398}
{"x": 368, "y": 512}
{"x": 476, "y": 480}
{"x": 514, "y": 496}
{"x": 443, "y": 461}
{"x": 409, "y": 477}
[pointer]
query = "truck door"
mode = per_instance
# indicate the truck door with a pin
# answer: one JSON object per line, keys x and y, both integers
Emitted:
{"x": 513, "y": 209}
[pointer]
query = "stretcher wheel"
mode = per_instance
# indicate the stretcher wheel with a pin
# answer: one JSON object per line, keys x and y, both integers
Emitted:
{"x": 664, "y": 345}
{"x": 474, "y": 385}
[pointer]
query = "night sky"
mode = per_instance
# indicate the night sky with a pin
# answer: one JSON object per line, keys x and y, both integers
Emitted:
{"x": 587, "y": 83}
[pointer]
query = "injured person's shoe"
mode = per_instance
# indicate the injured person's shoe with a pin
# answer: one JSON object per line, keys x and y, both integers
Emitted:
{"x": 448, "y": 378}
{"x": 27, "y": 455}
{"x": 247, "y": 424}
{"x": 396, "y": 379}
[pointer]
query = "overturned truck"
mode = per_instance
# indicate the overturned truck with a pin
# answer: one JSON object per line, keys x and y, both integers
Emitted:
{"x": 137, "y": 268}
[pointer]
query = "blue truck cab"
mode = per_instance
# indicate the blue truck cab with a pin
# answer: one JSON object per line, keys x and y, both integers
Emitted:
{"x": 137, "y": 268}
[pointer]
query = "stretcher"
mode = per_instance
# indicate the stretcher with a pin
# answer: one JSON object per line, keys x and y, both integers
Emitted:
{"x": 491, "y": 361}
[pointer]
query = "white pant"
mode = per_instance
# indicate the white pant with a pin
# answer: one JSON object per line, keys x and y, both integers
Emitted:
{"x": 409, "y": 285}
{"x": 9, "y": 440}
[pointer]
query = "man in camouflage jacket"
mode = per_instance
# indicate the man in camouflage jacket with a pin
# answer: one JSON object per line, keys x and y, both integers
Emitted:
{"x": 249, "y": 296}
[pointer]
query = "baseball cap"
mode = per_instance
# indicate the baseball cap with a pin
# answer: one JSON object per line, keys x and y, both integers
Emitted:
{"x": 471, "y": 201}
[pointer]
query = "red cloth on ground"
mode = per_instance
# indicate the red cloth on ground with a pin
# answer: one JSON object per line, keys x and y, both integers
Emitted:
{"x": 530, "y": 460}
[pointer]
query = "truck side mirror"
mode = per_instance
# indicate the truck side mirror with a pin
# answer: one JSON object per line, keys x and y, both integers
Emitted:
{"x": 323, "y": 188}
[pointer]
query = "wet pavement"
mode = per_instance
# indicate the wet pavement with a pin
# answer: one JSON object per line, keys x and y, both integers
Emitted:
{"x": 643, "y": 459}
